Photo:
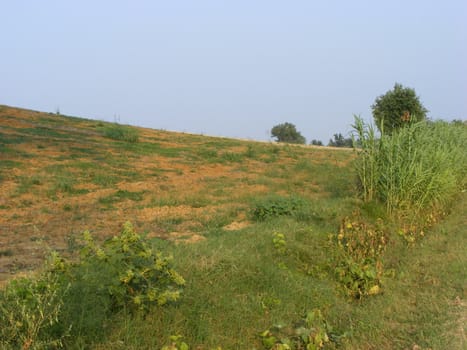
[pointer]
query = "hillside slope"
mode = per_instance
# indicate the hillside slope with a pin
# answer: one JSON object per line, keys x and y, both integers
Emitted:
{"x": 60, "y": 176}
{"x": 251, "y": 227}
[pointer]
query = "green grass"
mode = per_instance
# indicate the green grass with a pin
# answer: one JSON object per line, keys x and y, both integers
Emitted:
{"x": 147, "y": 148}
{"x": 120, "y": 132}
{"x": 168, "y": 224}
{"x": 27, "y": 183}
{"x": 210, "y": 154}
{"x": 232, "y": 157}
{"x": 240, "y": 282}
{"x": 12, "y": 139}
{"x": 84, "y": 151}
{"x": 122, "y": 195}
{"x": 63, "y": 183}
{"x": 207, "y": 154}
{"x": 236, "y": 291}
{"x": 193, "y": 200}
{"x": 104, "y": 178}
{"x": 163, "y": 173}
{"x": 45, "y": 132}
{"x": 419, "y": 304}
{"x": 6, "y": 252}
{"x": 98, "y": 173}
{"x": 8, "y": 164}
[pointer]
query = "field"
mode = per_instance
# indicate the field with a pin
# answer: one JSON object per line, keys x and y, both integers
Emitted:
{"x": 198, "y": 199}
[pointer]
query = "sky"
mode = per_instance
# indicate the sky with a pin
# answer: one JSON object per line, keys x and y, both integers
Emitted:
{"x": 232, "y": 68}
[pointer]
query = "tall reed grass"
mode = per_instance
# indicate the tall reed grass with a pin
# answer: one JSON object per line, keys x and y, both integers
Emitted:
{"x": 420, "y": 166}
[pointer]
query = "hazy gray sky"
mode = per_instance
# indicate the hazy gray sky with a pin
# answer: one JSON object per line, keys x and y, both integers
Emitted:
{"x": 232, "y": 68}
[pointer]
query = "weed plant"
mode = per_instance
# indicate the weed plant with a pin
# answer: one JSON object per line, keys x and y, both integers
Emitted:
{"x": 274, "y": 206}
{"x": 360, "y": 247}
{"x": 311, "y": 333}
{"x": 29, "y": 311}
{"x": 71, "y": 302}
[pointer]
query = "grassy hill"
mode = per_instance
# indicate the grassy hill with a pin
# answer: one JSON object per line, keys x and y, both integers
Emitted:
{"x": 199, "y": 199}
{"x": 61, "y": 175}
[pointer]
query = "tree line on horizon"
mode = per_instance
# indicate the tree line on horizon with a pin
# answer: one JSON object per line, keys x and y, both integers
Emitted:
{"x": 391, "y": 111}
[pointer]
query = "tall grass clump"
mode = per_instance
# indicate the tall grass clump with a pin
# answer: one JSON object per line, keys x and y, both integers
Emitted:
{"x": 419, "y": 166}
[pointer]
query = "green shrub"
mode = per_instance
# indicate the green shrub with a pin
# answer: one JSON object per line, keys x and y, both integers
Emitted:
{"x": 121, "y": 133}
{"x": 276, "y": 206}
{"x": 131, "y": 271}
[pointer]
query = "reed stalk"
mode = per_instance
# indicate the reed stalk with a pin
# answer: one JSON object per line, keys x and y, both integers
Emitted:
{"x": 420, "y": 166}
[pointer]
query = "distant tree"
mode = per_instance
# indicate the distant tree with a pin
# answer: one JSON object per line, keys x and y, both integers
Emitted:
{"x": 340, "y": 141}
{"x": 316, "y": 143}
{"x": 459, "y": 122}
{"x": 396, "y": 108}
{"x": 287, "y": 133}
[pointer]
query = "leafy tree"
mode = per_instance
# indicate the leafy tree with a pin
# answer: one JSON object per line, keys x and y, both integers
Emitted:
{"x": 340, "y": 141}
{"x": 316, "y": 143}
{"x": 288, "y": 133}
{"x": 397, "y": 108}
